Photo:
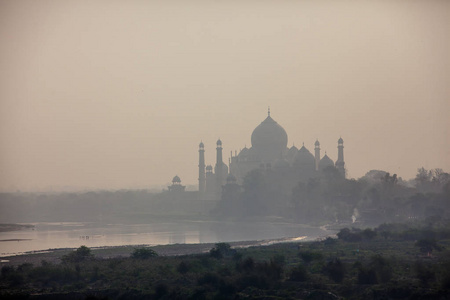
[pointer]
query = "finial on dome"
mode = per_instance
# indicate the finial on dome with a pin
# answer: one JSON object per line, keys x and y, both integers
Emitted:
{"x": 268, "y": 111}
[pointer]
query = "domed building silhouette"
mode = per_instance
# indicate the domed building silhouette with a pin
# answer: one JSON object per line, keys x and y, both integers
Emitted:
{"x": 268, "y": 151}
{"x": 176, "y": 186}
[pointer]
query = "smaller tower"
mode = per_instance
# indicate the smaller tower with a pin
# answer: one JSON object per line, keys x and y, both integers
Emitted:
{"x": 340, "y": 164}
{"x": 218, "y": 170}
{"x": 201, "y": 170}
{"x": 317, "y": 154}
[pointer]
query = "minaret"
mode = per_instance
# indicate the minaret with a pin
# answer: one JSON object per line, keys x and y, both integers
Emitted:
{"x": 219, "y": 165}
{"x": 317, "y": 154}
{"x": 201, "y": 169}
{"x": 340, "y": 161}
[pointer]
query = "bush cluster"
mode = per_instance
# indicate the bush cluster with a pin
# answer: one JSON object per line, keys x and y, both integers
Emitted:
{"x": 143, "y": 253}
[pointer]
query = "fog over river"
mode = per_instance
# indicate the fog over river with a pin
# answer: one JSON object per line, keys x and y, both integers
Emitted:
{"x": 74, "y": 234}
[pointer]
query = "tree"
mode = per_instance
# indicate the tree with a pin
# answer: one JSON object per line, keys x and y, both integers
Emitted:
{"x": 346, "y": 235}
{"x": 369, "y": 233}
{"x": 423, "y": 179}
{"x": 427, "y": 245}
{"x": 220, "y": 250}
{"x": 143, "y": 253}
{"x": 335, "y": 270}
{"x": 80, "y": 254}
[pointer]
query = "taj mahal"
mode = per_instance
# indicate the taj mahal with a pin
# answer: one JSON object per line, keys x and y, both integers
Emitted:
{"x": 268, "y": 151}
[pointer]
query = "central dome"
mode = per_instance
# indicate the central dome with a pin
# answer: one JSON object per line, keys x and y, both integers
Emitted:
{"x": 269, "y": 140}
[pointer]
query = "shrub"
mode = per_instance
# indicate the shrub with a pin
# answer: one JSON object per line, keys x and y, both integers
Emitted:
{"x": 143, "y": 253}
{"x": 16, "y": 279}
{"x": 247, "y": 265}
{"x": 445, "y": 280}
{"x": 215, "y": 253}
{"x": 82, "y": 253}
{"x": 279, "y": 259}
{"x": 369, "y": 233}
{"x": 299, "y": 273}
{"x": 346, "y": 235}
{"x": 271, "y": 270}
{"x": 424, "y": 272}
{"x": 367, "y": 276}
{"x": 53, "y": 273}
{"x": 220, "y": 250}
{"x": 211, "y": 279}
{"x": 253, "y": 280}
{"x": 7, "y": 270}
{"x": 427, "y": 245}
{"x": 183, "y": 267}
{"x": 237, "y": 256}
{"x": 161, "y": 290}
{"x": 25, "y": 267}
{"x": 45, "y": 263}
{"x": 10, "y": 274}
{"x": 226, "y": 289}
{"x": 379, "y": 270}
{"x": 329, "y": 241}
{"x": 335, "y": 269}
{"x": 309, "y": 256}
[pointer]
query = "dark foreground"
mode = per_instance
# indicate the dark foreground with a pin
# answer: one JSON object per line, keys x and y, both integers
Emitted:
{"x": 390, "y": 262}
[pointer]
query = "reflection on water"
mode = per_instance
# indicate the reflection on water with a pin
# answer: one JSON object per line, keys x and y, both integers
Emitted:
{"x": 72, "y": 235}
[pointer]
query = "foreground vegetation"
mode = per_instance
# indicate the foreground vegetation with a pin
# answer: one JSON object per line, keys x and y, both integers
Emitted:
{"x": 392, "y": 261}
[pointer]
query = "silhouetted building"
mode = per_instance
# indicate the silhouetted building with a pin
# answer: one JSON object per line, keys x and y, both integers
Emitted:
{"x": 268, "y": 151}
{"x": 176, "y": 186}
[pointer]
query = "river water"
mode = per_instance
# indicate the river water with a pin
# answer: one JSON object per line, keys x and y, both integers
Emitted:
{"x": 46, "y": 236}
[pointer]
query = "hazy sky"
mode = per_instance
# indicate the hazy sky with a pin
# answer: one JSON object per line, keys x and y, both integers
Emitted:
{"x": 118, "y": 94}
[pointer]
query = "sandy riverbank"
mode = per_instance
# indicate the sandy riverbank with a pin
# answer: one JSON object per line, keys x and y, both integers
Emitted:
{"x": 54, "y": 255}
{"x": 15, "y": 227}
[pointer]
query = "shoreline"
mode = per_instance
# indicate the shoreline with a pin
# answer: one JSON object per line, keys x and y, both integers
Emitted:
{"x": 54, "y": 255}
{"x": 6, "y": 227}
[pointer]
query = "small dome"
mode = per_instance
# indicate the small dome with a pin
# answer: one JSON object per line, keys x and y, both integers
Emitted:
{"x": 317, "y": 143}
{"x": 231, "y": 178}
{"x": 340, "y": 141}
{"x": 304, "y": 158}
{"x": 209, "y": 168}
{"x": 244, "y": 152}
{"x": 293, "y": 149}
{"x": 176, "y": 179}
{"x": 201, "y": 145}
{"x": 292, "y": 152}
{"x": 219, "y": 142}
{"x": 223, "y": 168}
{"x": 325, "y": 162}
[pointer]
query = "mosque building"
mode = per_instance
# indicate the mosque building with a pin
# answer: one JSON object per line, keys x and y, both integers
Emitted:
{"x": 268, "y": 151}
